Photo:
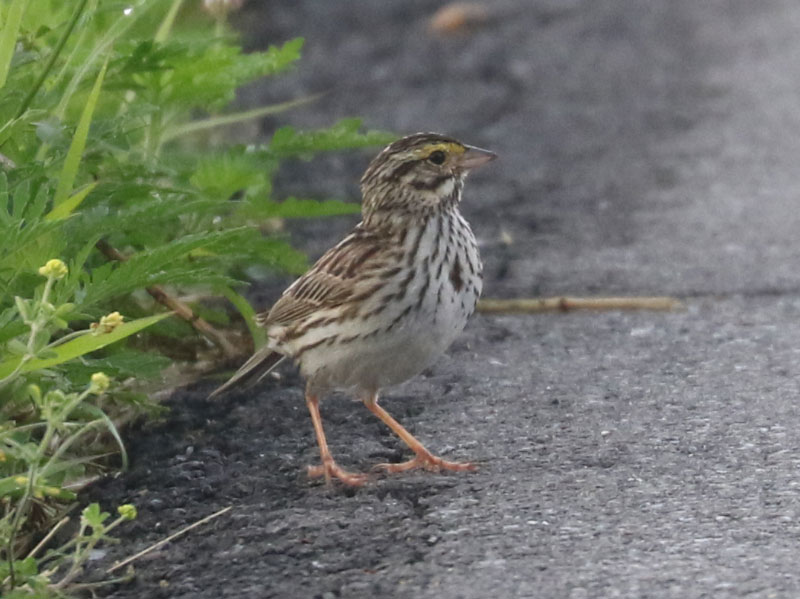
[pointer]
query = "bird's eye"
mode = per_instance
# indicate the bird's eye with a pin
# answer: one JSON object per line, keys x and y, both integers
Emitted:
{"x": 437, "y": 157}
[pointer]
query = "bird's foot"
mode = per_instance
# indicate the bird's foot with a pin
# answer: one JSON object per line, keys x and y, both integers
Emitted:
{"x": 427, "y": 461}
{"x": 331, "y": 470}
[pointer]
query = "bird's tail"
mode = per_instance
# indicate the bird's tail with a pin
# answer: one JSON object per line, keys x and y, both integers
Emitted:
{"x": 252, "y": 371}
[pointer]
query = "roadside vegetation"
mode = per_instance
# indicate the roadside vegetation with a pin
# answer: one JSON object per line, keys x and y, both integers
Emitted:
{"x": 124, "y": 219}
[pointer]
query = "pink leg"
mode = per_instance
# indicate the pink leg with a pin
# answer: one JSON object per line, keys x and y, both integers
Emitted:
{"x": 329, "y": 469}
{"x": 424, "y": 458}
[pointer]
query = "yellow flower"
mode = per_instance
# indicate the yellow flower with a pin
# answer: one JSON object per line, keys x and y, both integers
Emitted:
{"x": 21, "y": 480}
{"x": 107, "y": 323}
{"x": 54, "y": 268}
{"x": 100, "y": 383}
{"x": 127, "y": 511}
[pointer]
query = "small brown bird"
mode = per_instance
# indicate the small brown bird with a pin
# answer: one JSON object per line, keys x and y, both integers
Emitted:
{"x": 390, "y": 298}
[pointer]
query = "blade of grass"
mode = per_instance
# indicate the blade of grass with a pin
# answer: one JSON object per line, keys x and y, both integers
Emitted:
{"x": 229, "y": 119}
{"x": 51, "y": 59}
{"x": 258, "y": 333}
{"x": 82, "y": 345}
{"x": 68, "y": 206}
{"x": 8, "y": 37}
{"x": 125, "y": 21}
{"x": 77, "y": 46}
{"x": 112, "y": 428}
{"x": 73, "y": 159}
{"x": 166, "y": 25}
{"x": 55, "y": 463}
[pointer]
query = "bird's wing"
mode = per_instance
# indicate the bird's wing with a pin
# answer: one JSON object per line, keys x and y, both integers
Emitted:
{"x": 330, "y": 282}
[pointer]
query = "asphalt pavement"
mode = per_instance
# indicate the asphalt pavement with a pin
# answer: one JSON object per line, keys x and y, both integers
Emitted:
{"x": 645, "y": 148}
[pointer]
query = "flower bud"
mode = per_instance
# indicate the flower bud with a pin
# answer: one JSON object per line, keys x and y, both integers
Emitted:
{"x": 127, "y": 511}
{"x": 99, "y": 384}
{"x": 54, "y": 268}
{"x": 107, "y": 323}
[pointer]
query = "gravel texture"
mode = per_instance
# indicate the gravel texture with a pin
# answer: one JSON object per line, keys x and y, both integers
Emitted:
{"x": 646, "y": 148}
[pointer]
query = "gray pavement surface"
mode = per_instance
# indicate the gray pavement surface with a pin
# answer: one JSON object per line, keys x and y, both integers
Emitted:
{"x": 646, "y": 148}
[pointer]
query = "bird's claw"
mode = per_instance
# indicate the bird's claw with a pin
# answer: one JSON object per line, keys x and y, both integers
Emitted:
{"x": 429, "y": 462}
{"x": 331, "y": 470}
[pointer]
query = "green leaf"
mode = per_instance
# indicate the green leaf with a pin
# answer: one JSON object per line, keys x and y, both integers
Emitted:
{"x": 305, "y": 208}
{"x": 164, "y": 264}
{"x": 268, "y": 253}
{"x": 222, "y": 175}
{"x": 81, "y": 346}
{"x": 271, "y": 62}
{"x": 12, "y": 329}
{"x": 93, "y": 517}
{"x": 75, "y": 152}
{"x": 207, "y": 75}
{"x": 343, "y": 135}
{"x": 119, "y": 364}
{"x": 14, "y": 128}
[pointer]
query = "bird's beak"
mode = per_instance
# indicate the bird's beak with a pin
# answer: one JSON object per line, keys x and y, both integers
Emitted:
{"x": 474, "y": 157}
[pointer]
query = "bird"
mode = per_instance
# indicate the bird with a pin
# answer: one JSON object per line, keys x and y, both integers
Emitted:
{"x": 385, "y": 302}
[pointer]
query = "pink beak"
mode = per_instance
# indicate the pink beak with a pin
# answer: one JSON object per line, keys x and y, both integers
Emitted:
{"x": 474, "y": 157}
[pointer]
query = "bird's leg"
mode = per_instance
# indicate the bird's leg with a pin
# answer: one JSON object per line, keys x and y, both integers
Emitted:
{"x": 329, "y": 469}
{"x": 424, "y": 458}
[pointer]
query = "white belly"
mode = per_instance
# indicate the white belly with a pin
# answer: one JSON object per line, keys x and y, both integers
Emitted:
{"x": 399, "y": 342}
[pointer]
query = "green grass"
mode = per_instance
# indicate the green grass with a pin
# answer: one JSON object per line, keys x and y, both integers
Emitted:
{"x": 106, "y": 109}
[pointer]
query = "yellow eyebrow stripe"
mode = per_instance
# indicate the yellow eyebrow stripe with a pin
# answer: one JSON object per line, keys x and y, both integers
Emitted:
{"x": 446, "y": 147}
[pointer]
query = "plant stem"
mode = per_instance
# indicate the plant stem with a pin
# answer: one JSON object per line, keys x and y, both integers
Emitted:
{"x": 154, "y": 135}
{"x": 22, "y": 506}
{"x": 29, "y": 354}
{"x": 68, "y": 337}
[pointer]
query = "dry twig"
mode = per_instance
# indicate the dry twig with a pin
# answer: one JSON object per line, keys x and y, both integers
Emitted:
{"x": 566, "y": 304}
{"x": 177, "y": 306}
{"x": 171, "y": 537}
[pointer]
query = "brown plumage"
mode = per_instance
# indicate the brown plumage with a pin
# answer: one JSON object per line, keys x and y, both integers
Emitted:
{"x": 389, "y": 298}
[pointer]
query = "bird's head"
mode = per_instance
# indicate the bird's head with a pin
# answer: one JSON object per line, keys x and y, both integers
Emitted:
{"x": 420, "y": 173}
